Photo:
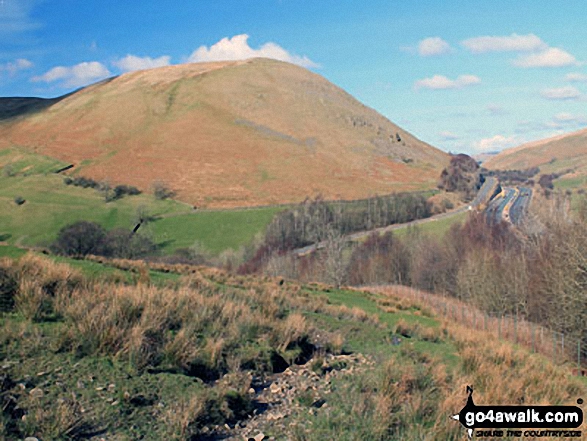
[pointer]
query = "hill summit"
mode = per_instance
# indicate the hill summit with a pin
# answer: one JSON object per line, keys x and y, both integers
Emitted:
{"x": 226, "y": 134}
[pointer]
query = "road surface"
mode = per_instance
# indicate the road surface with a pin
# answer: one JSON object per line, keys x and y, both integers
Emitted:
{"x": 509, "y": 206}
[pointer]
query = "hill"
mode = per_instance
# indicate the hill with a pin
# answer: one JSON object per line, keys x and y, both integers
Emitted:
{"x": 225, "y": 134}
{"x": 558, "y": 154}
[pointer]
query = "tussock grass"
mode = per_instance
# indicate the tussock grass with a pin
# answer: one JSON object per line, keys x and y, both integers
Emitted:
{"x": 208, "y": 323}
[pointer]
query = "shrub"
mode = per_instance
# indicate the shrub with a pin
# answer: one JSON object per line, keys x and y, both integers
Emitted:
{"x": 8, "y": 286}
{"x": 19, "y": 200}
{"x": 80, "y": 181}
{"x": 123, "y": 244}
{"x": 546, "y": 181}
{"x": 8, "y": 171}
{"x": 161, "y": 191}
{"x": 122, "y": 190}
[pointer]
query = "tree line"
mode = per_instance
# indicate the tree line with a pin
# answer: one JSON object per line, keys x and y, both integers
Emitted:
{"x": 537, "y": 272}
{"x": 316, "y": 220}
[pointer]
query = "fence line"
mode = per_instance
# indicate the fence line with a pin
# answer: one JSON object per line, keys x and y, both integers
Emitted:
{"x": 556, "y": 345}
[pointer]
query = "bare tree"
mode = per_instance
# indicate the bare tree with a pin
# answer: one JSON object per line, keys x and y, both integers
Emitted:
{"x": 334, "y": 264}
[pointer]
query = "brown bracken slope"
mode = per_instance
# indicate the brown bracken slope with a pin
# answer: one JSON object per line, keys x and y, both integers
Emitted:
{"x": 562, "y": 152}
{"x": 227, "y": 134}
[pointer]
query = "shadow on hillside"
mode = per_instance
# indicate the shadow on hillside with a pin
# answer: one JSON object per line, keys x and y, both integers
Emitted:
{"x": 13, "y": 107}
{"x": 18, "y": 106}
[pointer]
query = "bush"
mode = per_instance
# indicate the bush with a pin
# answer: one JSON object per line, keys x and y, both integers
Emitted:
{"x": 546, "y": 181}
{"x": 80, "y": 181}
{"x": 80, "y": 239}
{"x": 123, "y": 244}
{"x": 8, "y": 171}
{"x": 19, "y": 200}
{"x": 8, "y": 286}
{"x": 161, "y": 191}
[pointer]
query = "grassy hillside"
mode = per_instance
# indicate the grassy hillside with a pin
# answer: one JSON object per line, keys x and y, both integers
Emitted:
{"x": 50, "y": 205}
{"x": 552, "y": 155}
{"x": 256, "y": 132}
{"x": 218, "y": 355}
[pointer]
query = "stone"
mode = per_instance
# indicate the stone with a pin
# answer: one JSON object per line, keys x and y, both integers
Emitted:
{"x": 37, "y": 393}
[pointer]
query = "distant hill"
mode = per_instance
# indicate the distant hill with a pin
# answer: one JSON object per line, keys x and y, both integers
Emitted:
{"x": 18, "y": 106}
{"x": 481, "y": 158}
{"x": 225, "y": 134}
{"x": 557, "y": 153}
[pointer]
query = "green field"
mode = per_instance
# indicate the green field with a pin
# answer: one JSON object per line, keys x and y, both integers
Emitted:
{"x": 50, "y": 205}
{"x": 570, "y": 183}
{"x": 437, "y": 228}
{"x": 215, "y": 230}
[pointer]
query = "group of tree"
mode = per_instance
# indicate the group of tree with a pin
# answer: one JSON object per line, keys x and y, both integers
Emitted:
{"x": 513, "y": 177}
{"x": 316, "y": 220}
{"x": 110, "y": 193}
{"x": 82, "y": 238}
{"x": 463, "y": 175}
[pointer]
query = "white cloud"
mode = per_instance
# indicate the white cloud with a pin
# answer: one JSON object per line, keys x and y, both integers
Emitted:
{"x": 494, "y": 109}
{"x": 541, "y": 55}
{"x": 438, "y": 82}
{"x": 551, "y": 57}
{"x": 132, "y": 62}
{"x": 564, "y": 116}
{"x": 448, "y": 136}
{"x": 576, "y": 77}
{"x": 568, "y": 119}
{"x": 433, "y": 46}
{"x": 237, "y": 48}
{"x": 497, "y": 142}
{"x": 512, "y": 43}
{"x": 13, "y": 67}
{"x": 75, "y": 76}
{"x": 561, "y": 93}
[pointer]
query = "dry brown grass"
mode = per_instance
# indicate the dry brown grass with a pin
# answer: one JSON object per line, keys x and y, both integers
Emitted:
{"x": 515, "y": 330}
{"x": 40, "y": 281}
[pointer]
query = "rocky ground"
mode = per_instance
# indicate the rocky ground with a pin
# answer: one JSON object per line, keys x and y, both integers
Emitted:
{"x": 297, "y": 390}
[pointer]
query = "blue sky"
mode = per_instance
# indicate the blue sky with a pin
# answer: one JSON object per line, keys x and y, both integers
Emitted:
{"x": 466, "y": 76}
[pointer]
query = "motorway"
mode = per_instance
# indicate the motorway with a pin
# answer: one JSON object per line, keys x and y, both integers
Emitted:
{"x": 509, "y": 206}
{"x": 520, "y": 206}
{"x": 483, "y": 195}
